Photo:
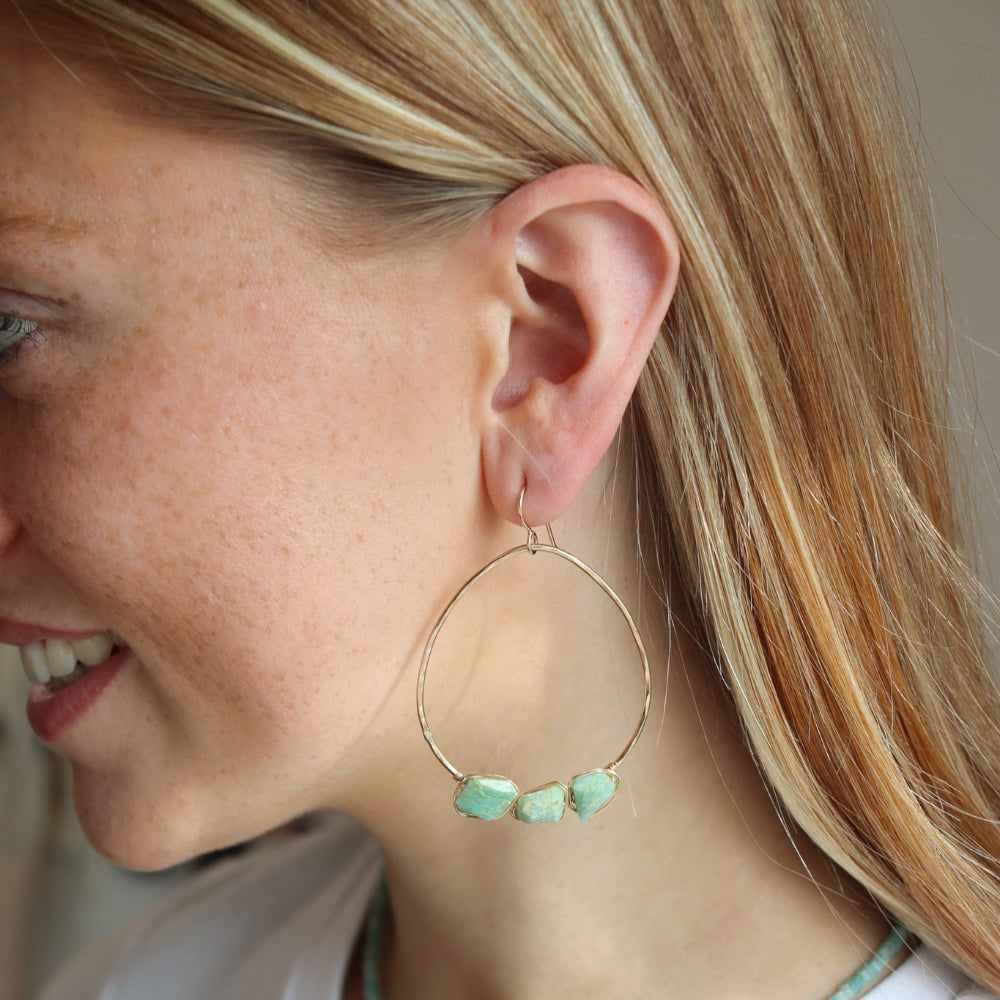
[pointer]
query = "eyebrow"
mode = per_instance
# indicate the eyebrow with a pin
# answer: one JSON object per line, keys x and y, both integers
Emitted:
{"x": 50, "y": 229}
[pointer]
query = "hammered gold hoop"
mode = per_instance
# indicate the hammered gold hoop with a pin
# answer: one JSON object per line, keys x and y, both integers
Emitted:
{"x": 490, "y": 796}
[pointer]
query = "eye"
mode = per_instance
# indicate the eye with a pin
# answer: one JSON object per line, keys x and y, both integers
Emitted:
{"x": 15, "y": 332}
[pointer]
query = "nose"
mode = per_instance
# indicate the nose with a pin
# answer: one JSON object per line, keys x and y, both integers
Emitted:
{"x": 10, "y": 526}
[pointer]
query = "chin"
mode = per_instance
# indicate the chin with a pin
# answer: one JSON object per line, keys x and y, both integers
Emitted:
{"x": 143, "y": 833}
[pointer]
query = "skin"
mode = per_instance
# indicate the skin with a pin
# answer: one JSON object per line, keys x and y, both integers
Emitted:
{"x": 192, "y": 383}
{"x": 197, "y": 451}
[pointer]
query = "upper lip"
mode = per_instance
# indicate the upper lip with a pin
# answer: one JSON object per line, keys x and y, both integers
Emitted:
{"x": 21, "y": 633}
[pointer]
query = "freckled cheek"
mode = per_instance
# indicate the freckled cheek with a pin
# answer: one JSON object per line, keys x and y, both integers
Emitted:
{"x": 211, "y": 486}
{"x": 109, "y": 470}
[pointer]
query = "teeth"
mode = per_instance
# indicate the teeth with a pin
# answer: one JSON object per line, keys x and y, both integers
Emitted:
{"x": 60, "y": 656}
{"x": 94, "y": 650}
{"x": 56, "y": 659}
{"x": 35, "y": 664}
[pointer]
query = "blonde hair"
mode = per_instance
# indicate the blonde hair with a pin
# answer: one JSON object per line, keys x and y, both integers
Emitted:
{"x": 788, "y": 431}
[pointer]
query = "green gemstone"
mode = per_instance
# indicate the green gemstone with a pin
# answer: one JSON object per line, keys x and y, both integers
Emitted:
{"x": 591, "y": 791}
{"x": 485, "y": 796}
{"x": 542, "y": 805}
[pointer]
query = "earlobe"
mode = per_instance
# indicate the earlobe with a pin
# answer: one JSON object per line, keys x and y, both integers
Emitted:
{"x": 595, "y": 260}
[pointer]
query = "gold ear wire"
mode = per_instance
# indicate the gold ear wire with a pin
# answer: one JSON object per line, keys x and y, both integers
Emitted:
{"x": 490, "y": 796}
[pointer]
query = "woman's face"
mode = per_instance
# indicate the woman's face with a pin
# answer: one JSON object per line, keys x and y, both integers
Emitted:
{"x": 226, "y": 442}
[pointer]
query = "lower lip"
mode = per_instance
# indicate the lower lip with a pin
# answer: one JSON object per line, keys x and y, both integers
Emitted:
{"x": 51, "y": 713}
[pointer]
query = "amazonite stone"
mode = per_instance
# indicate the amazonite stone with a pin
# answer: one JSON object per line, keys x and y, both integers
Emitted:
{"x": 542, "y": 805}
{"x": 485, "y": 796}
{"x": 591, "y": 791}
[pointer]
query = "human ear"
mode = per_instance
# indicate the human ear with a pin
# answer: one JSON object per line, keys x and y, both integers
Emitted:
{"x": 591, "y": 265}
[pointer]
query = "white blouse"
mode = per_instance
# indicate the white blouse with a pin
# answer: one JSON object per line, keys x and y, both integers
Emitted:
{"x": 280, "y": 924}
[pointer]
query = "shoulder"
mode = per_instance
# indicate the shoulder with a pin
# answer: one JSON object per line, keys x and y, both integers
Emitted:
{"x": 243, "y": 929}
{"x": 926, "y": 975}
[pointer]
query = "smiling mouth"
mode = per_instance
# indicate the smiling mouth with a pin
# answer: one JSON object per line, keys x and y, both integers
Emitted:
{"x": 56, "y": 663}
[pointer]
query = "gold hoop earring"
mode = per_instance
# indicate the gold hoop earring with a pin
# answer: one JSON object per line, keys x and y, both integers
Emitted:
{"x": 490, "y": 796}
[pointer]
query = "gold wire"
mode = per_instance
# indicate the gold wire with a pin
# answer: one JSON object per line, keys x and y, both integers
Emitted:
{"x": 532, "y": 547}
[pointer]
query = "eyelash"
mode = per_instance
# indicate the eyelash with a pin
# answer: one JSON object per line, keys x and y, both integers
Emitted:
{"x": 15, "y": 333}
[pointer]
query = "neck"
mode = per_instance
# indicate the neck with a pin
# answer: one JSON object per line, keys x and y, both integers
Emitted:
{"x": 688, "y": 877}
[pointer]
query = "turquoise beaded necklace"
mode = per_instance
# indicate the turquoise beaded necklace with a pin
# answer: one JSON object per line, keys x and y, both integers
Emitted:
{"x": 371, "y": 988}
{"x": 875, "y": 966}
{"x": 375, "y": 930}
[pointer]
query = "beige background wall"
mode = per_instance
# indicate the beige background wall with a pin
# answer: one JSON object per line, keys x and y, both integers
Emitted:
{"x": 953, "y": 51}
